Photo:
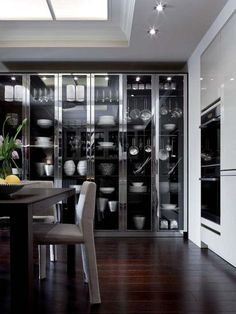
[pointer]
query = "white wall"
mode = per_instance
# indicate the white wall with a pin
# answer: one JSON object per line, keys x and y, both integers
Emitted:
{"x": 194, "y": 122}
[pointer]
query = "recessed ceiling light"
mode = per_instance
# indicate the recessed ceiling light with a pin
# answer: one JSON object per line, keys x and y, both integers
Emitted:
{"x": 132, "y": 95}
{"x": 138, "y": 78}
{"x": 232, "y": 79}
{"x": 152, "y": 31}
{"x": 75, "y": 78}
{"x": 169, "y": 78}
{"x": 13, "y": 78}
{"x": 201, "y": 78}
{"x": 159, "y": 7}
{"x": 212, "y": 79}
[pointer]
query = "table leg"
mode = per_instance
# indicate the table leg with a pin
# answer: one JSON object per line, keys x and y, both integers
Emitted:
{"x": 70, "y": 217}
{"x": 21, "y": 251}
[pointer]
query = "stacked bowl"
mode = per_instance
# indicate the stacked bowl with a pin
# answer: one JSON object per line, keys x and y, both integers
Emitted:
{"x": 43, "y": 141}
{"x": 138, "y": 188}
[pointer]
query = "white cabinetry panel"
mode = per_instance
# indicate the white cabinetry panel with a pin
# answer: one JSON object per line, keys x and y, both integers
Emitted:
{"x": 228, "y": 217}
{"x": 210, "y": 73}
{"x": 228, "y": 70}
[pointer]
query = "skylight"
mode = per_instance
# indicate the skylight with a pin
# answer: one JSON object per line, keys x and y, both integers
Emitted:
{"x": 81, "y": 10}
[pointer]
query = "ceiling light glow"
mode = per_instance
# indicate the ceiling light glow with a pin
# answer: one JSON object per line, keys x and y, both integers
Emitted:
{"x": 169, "y": 78}
{"x": 138, "y": 78}
{"x": 159, "y": 7}
{"x": 232, "y": 79}
{"x": 75, "y": 78}
{"x": 44, "y": 78}
{"x": 201, "y": 78}
{"x": 152, "y": 31}
{"x": 106, "y": 78}
{"x": 13, "y": 78}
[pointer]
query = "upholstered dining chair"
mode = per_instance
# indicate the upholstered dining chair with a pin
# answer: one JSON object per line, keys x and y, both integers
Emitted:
{"x": 44, "y": 215}
{"x": 79, "y": 233}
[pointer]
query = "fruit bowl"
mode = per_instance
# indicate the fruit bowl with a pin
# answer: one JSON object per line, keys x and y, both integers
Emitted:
{"x": 7, "y": 189}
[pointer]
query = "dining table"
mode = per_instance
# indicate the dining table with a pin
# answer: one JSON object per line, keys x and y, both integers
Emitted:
{"x": 19, "y": 207}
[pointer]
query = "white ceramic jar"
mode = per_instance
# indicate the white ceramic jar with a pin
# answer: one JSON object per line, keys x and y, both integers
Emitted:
{"x": 82, "y": 167}
{"x": 69, "y": 167}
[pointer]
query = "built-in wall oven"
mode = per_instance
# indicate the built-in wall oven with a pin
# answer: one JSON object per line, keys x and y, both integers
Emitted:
{"x": 210, "y": 163}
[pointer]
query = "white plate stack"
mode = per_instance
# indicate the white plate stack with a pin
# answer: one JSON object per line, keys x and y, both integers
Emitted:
{"x": 82, "y": 167}
{"x": 43, "y": 141}
{"x": 138, "y": 189}
{"x": 106, "y": 120}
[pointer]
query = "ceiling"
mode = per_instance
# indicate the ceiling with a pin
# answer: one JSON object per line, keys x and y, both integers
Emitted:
{"x": 122, "y": 38}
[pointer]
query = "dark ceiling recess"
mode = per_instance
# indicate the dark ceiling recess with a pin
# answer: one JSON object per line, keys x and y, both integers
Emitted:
{"x": 94, "y": 66}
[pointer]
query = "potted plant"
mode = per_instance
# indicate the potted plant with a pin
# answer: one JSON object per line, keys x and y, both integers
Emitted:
{"x": 8, "y": 149}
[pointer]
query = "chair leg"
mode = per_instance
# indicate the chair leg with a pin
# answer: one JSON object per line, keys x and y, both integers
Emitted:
{"x": 84, "y": 262}
{"x": 91, "y": 262}
{"x": 42, "y": 261}
{"x": 53, "y": 253}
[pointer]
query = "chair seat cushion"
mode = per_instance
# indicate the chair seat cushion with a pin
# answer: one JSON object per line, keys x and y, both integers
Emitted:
{"x": 57, "y": 234}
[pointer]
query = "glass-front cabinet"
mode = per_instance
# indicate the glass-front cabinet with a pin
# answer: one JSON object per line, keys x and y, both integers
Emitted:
{"x": 126, "y": 132}
{"x": 172, "y": 111}
{"x": 105, "y": 135}
{"x": 40, "y": 140}
{"x": 139, "y": 117}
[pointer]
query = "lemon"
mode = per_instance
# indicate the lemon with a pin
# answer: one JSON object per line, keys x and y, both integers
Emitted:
{"x": 12, "y": 179}
{"x": 2, "y": 181}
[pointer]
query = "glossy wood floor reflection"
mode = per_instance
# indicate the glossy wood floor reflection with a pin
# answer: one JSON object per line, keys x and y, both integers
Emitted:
{"x": 164, "y": 275}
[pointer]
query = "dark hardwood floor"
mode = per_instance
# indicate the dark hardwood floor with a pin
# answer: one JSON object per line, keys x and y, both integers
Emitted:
{"x": 137, "y": 275}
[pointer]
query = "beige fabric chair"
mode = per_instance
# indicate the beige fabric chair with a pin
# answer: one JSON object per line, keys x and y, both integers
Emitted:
{"x": 44, "y": 215}
{"x": 79, "y": 233}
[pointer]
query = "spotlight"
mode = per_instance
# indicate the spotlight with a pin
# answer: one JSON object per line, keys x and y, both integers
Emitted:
{"x": 159, "y": 7}
{"x": 152, "y": 31}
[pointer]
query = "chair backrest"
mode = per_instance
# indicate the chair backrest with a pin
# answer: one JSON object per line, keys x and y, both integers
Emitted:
{"x": 42, "y": 184}
{"x": 86, "y": 207}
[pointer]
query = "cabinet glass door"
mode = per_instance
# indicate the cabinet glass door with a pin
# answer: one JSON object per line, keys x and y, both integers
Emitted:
{"x": 139, "y": 152}
{"x": 42, "y": 129}
{"x": 105, "y": 149}
{"x": 75, "y": 99}
{"x": 11, "y": 98}
{"x": 171, "y": 153}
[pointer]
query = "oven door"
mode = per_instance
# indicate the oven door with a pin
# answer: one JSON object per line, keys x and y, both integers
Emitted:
{"x": 210, "y": 198}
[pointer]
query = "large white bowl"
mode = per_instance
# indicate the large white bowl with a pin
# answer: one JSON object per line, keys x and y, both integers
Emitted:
{"x": 44, "y": 123}
{"x": 169, "y": 126}
{"x": 107, "y": 190}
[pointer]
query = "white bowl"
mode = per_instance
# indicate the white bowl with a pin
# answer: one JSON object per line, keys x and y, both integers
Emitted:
{"x": 137, "y": 183}
{"x": 168, "y": 206}
{"x": 169, "y": 126}
{"x": 106, "y": 144}
{"x": 44, "y": 123}
{"x": 107, "y": 190}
